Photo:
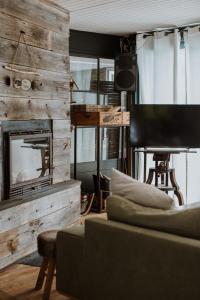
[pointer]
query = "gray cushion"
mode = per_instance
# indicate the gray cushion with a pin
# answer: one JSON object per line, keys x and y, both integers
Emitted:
{"x": 184, "y": 221}
{"x": 140, "y": 193}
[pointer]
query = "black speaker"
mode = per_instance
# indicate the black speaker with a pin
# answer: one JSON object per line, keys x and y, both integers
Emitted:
{"x": 125, "y": 72}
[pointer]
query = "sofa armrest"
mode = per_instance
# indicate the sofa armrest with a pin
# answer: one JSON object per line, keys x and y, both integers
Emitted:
{"x": 128, "y": 262}
{"x": 69, "y": 255}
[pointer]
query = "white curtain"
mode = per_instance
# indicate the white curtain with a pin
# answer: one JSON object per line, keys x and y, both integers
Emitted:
{"x": 170, "y": 75}
{"x": 193, "y": 97}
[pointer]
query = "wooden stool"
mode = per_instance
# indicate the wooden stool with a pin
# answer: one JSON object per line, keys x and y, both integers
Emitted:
{"x": 47, "y": 249}
{"x": 166, "y": 174}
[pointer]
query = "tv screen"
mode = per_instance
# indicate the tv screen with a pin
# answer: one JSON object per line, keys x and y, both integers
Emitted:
{"x": 176, "y": 126}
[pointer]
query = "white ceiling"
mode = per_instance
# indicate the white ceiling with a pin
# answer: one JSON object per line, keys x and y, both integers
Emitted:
{"x": 129, "y": 16}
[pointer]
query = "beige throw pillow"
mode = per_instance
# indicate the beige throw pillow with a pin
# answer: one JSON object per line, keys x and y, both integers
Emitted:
{"x": 140, "y": 193}
{"x": 184, "y": 221}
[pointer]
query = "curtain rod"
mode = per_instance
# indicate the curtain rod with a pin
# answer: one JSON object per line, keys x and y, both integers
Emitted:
{"x": 170, "y": 29}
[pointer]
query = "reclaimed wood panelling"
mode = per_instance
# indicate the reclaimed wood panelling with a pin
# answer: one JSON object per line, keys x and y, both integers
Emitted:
{"x": 61, "y": 172}
{"x": 10, "y": 218}
{"x": 48, "y": 85}
{"x": 28, "y": 109}
{"x": 22, "y": 240}
{"x": 38, "y": 12}
{"x": 34, "y": 35}
{"x": 33, "y": 57}
{"x": 46, "y": 50}
{"x": 61, "y": 129}
{"x": 61, "y": 150}
{"x": 21, "y": 224}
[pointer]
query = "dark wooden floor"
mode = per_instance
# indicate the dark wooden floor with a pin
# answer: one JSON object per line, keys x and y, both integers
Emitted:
{"x": 17, "y": 283}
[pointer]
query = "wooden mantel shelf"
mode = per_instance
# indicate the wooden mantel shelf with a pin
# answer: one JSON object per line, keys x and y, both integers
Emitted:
{"x": 100, "y": 118}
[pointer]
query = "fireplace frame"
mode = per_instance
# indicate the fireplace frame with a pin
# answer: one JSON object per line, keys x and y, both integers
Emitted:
{"x": 27, "y": 187}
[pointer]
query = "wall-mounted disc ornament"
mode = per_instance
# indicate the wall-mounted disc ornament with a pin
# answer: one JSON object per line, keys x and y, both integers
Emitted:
{"x": 26, "y": 84}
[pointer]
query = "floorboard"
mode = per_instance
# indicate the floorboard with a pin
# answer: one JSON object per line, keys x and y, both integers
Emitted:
{"x": 17, "y": 283}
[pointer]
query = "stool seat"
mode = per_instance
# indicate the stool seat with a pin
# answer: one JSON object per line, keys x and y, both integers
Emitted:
{"x": 47, "y": 243}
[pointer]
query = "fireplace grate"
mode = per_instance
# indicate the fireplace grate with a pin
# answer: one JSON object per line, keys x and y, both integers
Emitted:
{"x": 38, "y": 131}
{"x": 27, "y": 189}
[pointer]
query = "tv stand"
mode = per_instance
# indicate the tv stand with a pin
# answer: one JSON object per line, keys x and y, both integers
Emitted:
{"x": 165, "y": 178}
{"x": 165, "y": 174}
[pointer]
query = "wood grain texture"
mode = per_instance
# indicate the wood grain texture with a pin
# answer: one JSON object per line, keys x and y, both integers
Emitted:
{"x": 29, "y": 109}
{"x": 48, "y": 85}
{"x": 61, "y": 172}
{"x": 9, "y": 218}
{"x": 38, "y": 12}
{"x": 45, "y": 49}
{"x": 61, "y": 150}
{"x": 22, "y": 240}
{"x": 101, "y": 118}
{"x": 61, "y": 129}
{"x": 33, "y": 57}
{"x": 17, "y": 283}
{"x": 36, "y": 36}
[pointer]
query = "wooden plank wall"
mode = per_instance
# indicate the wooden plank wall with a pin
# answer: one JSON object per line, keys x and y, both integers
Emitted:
{"x": 44, "y": 48}
{"x": 21, "y": 224}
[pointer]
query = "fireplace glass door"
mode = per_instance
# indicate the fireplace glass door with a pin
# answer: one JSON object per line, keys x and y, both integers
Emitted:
{"x": 30, "y": 162}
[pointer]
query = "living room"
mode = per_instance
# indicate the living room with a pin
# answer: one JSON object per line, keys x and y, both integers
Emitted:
{"x": 99, "y": 156}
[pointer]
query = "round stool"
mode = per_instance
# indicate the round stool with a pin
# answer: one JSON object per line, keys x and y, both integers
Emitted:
{"x": 47, "y": 249}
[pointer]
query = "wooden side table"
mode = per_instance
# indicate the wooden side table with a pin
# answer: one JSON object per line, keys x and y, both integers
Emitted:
{"x": 99, "y": 120}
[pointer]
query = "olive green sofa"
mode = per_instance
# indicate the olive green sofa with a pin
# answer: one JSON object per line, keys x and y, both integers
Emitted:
{"x": 111, "y": 260}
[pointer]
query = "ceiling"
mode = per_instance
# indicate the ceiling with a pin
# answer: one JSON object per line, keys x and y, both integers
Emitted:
{"x": 129, "y": 16}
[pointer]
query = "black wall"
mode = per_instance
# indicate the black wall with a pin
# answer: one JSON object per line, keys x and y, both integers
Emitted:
{"x": 90, "y": 44}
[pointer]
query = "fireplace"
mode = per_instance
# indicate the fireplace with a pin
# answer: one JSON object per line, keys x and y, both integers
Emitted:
{"x": 27, "y": 161}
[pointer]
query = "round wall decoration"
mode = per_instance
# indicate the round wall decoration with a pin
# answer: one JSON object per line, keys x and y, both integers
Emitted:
{"x": 26, "y": 84}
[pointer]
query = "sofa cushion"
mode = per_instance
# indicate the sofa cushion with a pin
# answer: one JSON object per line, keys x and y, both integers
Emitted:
{"x": 140, "y": 193}
{"x": 183, "y": 221}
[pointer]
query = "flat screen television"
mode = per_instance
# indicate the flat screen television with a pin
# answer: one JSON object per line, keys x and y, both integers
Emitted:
{"x": 176, "y": 126}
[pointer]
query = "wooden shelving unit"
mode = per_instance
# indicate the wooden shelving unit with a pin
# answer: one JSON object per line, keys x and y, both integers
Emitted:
{"x": 99, "y": 120}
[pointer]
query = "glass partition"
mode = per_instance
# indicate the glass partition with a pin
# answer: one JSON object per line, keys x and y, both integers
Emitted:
{"x": 83, "y": 74}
